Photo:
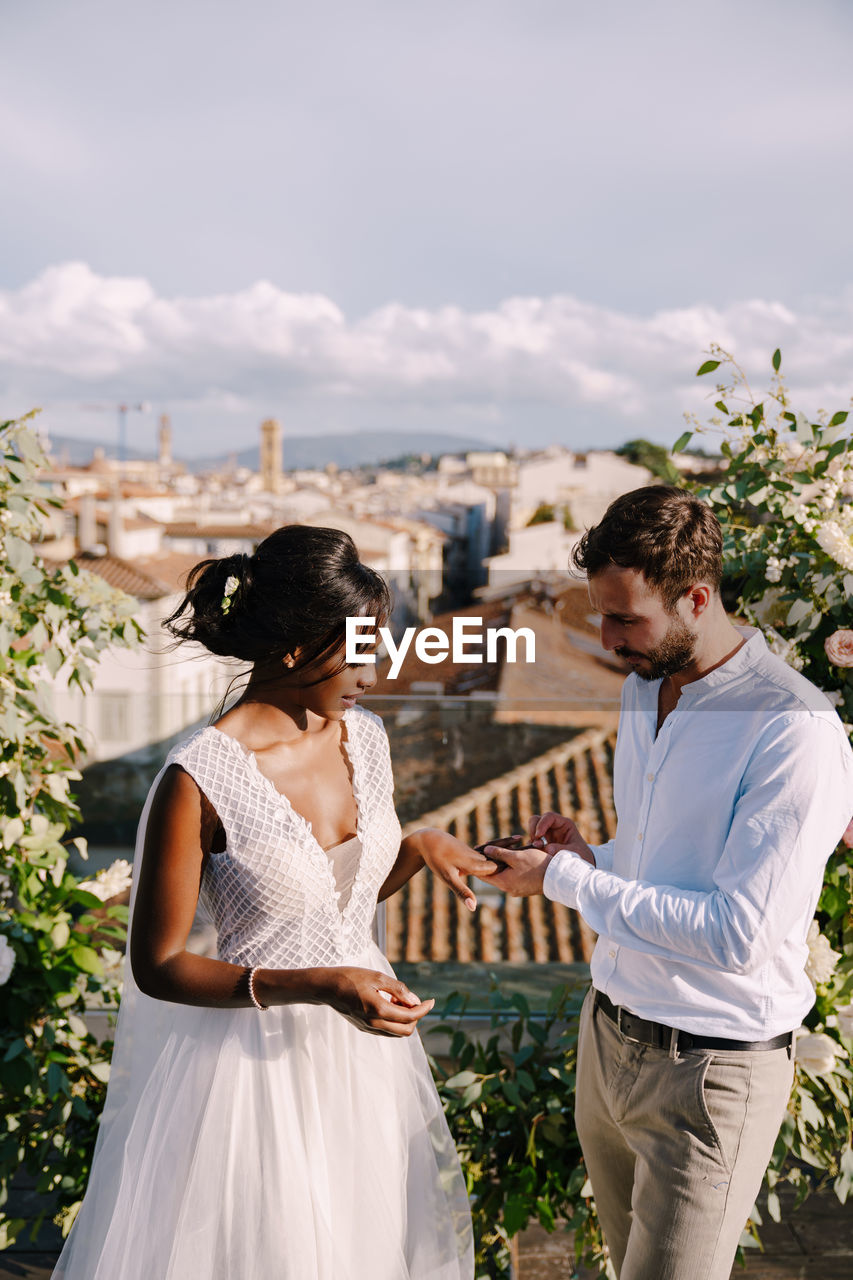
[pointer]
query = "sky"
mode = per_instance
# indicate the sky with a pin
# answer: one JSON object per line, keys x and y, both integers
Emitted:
{"x": 523, "y": 222}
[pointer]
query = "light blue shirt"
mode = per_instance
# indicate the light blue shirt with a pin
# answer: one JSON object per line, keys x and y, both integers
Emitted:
{"x": 703, "y": 900}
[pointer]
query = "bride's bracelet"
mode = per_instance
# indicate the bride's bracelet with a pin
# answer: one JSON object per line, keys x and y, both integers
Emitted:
{"x": 254, "y": 999}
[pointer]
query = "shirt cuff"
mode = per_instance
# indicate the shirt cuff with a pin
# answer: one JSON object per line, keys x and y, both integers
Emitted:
{"x": 603, "y": 854}
{"x": 564, "y": 876}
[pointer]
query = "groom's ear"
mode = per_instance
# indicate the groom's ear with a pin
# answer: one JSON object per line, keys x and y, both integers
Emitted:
{"x": 698, "y": 598}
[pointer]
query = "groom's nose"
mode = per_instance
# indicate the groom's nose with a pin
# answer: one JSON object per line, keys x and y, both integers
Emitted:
{"x": 612, "y": 634}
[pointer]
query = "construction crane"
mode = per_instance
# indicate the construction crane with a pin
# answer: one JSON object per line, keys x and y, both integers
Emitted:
{"x": 121, "y": 410}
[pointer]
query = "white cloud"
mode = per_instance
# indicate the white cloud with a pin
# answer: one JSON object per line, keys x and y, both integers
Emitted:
{"x": 72, "y": 335}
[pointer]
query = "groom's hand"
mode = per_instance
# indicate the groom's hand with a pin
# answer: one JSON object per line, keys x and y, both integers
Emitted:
{"x": 556, "y": 833}
{"x": 524, "y": 871}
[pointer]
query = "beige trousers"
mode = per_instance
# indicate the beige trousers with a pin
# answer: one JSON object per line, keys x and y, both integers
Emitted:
{"x": 676, "y": 1147}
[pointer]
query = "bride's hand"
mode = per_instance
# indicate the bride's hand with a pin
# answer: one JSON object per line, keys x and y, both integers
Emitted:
{"x": 374, "y": 1001}
{"x": 452, "y": 860}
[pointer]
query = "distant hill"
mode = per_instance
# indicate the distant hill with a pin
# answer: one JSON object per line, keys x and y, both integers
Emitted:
{"x": 359, "y": 449}
{"x": 362, "y": 449}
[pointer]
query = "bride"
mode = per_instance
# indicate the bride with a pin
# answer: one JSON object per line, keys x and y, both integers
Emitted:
{"x": 271, "y": 1112}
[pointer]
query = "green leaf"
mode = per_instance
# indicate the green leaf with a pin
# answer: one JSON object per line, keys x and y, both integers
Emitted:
{"x": 12, "y": 832}
{"x": 16, "y": 1047}
{"x": 19, "y": 554}
{"x": 462, "y": 1080}
{"x": 515, "y": 1214}
{"x": 799, "y": 610}
{"x": 59, "y": 934}
{"x": 683, "y": 440}
{"x": 87, "y": 959}
{"x": 837, "y": 418}
{"x": 512, "y": 1091}
{"x": 708, "y": 367}
{"x": 57, "y": 1080}
{"x": 53, "y": 659}
{"x": 777, "y": 360}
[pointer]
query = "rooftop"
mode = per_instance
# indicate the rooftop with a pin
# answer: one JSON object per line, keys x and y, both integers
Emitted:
{"x": 425, "y": 921}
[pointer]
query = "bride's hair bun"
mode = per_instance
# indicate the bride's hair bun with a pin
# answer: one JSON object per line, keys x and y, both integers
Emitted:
{"x": 295, "y": 592}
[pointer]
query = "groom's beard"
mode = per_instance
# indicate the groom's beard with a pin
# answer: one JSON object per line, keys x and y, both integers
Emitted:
{"x": 665, "y": 659}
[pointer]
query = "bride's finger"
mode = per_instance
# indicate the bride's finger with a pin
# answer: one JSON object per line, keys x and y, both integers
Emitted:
{"x": 395, "y": 991}
{"x": 390, "y": 1012}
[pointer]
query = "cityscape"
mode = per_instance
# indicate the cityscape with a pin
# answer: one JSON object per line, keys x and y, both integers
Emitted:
{"x": 476, "y": 537}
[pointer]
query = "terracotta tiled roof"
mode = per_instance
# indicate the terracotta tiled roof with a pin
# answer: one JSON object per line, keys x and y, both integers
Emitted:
{"x": 169, "y": 567}
{"x": 573, "y": 680}
{"x": 127, "y": 577}
{"x": 426, "y": 921}
{"x": 190, "y": 529}
{"x": 455, "y": 677}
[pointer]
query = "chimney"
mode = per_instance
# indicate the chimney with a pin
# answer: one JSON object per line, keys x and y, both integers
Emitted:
{"x": 165, "y": 439}
{"x": 115, "y": 528}
{"x": 271, "y": 455}
{"x": 87, "y": 533}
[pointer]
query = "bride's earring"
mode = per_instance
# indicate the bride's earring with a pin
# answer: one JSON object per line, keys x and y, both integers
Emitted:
{"x": 289, "y": 660}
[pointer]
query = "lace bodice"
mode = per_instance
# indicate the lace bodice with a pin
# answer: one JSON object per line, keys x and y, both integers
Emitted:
{"x": 271, "y": 892}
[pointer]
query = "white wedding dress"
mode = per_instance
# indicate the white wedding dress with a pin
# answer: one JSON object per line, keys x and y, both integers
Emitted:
{"x": 286, "y": 1145}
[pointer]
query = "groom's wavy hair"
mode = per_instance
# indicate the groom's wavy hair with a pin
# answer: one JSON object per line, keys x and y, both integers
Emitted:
{"x": 673, "y": 538}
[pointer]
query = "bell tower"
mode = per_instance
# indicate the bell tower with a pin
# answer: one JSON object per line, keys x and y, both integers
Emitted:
{"x": 271, "y": 455}
{"x": 164, "y": 437}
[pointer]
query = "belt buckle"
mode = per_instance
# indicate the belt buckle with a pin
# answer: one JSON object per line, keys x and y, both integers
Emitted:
{"x": 619, "y": 1011}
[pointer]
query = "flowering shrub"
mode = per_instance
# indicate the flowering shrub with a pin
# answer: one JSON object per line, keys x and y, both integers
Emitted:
{"x": 508, "y": 1094}
{"x": 59, "y": 942}
{"x": 785, "y": 503}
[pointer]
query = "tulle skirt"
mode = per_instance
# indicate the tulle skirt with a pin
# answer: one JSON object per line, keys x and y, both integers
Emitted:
{"x": 285, "y": 1145}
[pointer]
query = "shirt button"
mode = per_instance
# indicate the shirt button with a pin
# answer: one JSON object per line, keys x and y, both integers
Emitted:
{"x": 639, "y": 835}
{"x": 650, "y": 777}
{"x": 612, "y": 955}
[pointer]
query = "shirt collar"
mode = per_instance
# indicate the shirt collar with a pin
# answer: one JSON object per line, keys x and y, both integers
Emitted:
{"x": 748, "y": 655}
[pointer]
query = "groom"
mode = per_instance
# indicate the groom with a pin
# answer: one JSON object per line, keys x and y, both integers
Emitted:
{"x": 733, "y": 783}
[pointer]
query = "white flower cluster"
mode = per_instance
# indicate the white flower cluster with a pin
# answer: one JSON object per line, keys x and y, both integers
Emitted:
{"x": 822, "y": 960}
{"x": 844, "y": 1020}
{"x": 7, "y": 959}
{"x": 816, "y": 1051}
{"x": 784, "y": 649}
{"x": 829, "y": 493}
{"x": 801, "y": 515}
{"x": 92, "y": 592}
{"x": 775, "y": 567}
{"x": 113, "y": 962}
{"x": 110, "y": 881}
{"x": 836, "y": 542}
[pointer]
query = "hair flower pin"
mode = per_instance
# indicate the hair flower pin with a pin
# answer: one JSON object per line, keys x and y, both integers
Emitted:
{"x": 231, "y": 585}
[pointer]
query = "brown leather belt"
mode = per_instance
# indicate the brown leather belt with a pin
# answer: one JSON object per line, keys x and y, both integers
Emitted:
{"x": 659, "y": 1036}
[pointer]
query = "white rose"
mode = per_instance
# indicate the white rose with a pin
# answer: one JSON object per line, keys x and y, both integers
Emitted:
{"x": 844, "y": 1015}
{"x": 816, "y": 1051}
{"x": 7, "y": 959}
{"x": 822, "y": 960}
